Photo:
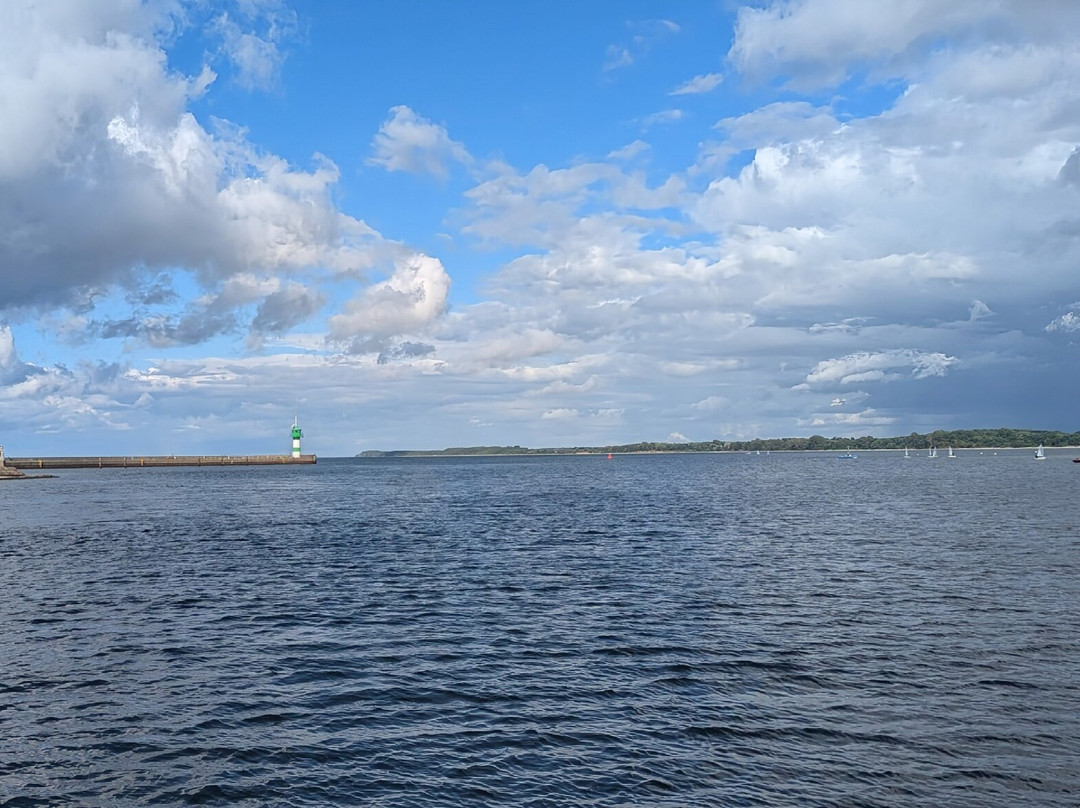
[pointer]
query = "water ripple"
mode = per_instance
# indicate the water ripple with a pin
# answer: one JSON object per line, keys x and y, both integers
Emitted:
{"x": 668, "y": 631}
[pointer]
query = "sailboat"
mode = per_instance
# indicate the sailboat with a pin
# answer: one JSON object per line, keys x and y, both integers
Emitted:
{"x": 932, "y": 452}
{"x": 906, "y": 453}
{"x": 952, "y": 454}
{"x": 1039, "y": 453}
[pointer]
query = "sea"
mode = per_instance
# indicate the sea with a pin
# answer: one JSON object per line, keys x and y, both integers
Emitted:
{"x": 647, "y": 630}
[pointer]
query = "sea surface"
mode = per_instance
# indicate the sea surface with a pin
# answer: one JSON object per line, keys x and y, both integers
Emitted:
{"x": 663, "y": 630}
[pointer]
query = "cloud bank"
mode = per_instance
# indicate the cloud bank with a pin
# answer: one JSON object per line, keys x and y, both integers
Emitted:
{"x": 882, "y": 236}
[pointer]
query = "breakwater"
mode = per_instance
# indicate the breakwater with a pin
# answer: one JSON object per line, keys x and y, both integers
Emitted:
{"x": 156, "y": 461}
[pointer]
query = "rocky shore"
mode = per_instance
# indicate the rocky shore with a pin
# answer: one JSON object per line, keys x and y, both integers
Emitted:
{"x": 6, "y": 471}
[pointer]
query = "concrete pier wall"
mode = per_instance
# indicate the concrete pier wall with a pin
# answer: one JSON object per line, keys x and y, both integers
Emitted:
{"x": 156, "y": 461}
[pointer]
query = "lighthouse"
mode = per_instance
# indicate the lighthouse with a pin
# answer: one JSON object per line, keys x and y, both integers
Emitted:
{"x": 296, "y": 435}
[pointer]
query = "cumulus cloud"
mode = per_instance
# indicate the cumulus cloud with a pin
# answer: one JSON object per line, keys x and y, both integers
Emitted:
{"x": 816, "y": 42}
{"x": 511, "y": 344}
{"x": 12, "y": 369}
{"x": 104, "y": 171}
{"x": 779, "y": 122}
{"x": 408, "y": 142}
{"x": 409, "y": 301}
{"x": 24, "y": 382}
{"x": 1070, "y": 321}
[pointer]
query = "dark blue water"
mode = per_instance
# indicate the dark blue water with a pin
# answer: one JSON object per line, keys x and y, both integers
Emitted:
{"x": 652, "y": 630}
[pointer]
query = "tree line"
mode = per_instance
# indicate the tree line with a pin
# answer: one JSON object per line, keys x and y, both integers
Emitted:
{"x": 1003, "y": 438}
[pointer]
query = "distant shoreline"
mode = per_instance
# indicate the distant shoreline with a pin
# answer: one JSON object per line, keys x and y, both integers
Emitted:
{"x": 407, "y": 453}
{"x": 981, "y": 440}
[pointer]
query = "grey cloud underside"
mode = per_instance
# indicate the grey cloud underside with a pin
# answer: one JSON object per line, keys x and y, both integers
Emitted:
{"x": 405, "y": 350}
{"x": 189, "y": 329}
{"x": 275, "y": 313}
{"x": 283, "y": 309}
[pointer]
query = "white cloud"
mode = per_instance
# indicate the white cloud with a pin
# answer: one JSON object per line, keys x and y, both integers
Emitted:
{"x": 1070, "y": 321}
{"x": 778, "y": 123}
{"x": 511, "y": 344}
{"x": 704, "y": 83}
{"x": 409, "y": 301}
{"x": 256, "y": 60}
{"x": 17, "y": 378}
{"x": 661, "y": 118}
{"x": 816, "y": 42}
{"x": 8, "y": 359}
{"x": 632, "y": 150}
{"x": 866, "y": 366}
{"x": 866, "y": 418}
{"x": 850, "y": 325}
{"x": 409, "y": 142}
{"x": 105, "y": 172}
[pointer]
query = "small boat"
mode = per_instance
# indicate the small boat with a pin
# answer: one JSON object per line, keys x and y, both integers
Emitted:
{"x": 848, "y": 456}
{"x": 952, "y": 454}
{"x": 1076, "y": 459}
{"x": 932, "y": 452}
{"x": 1039, "y": 453}
{"x": 906, "y": 453}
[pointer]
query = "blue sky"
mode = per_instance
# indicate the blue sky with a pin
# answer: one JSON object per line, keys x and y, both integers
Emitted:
{"x": 420, "y": 225}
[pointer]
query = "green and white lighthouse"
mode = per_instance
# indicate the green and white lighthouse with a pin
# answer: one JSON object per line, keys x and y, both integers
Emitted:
{"x": 296, "y": 435}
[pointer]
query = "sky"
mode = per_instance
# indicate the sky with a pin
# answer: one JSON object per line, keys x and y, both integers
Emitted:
{"x": 418, "y": 225}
